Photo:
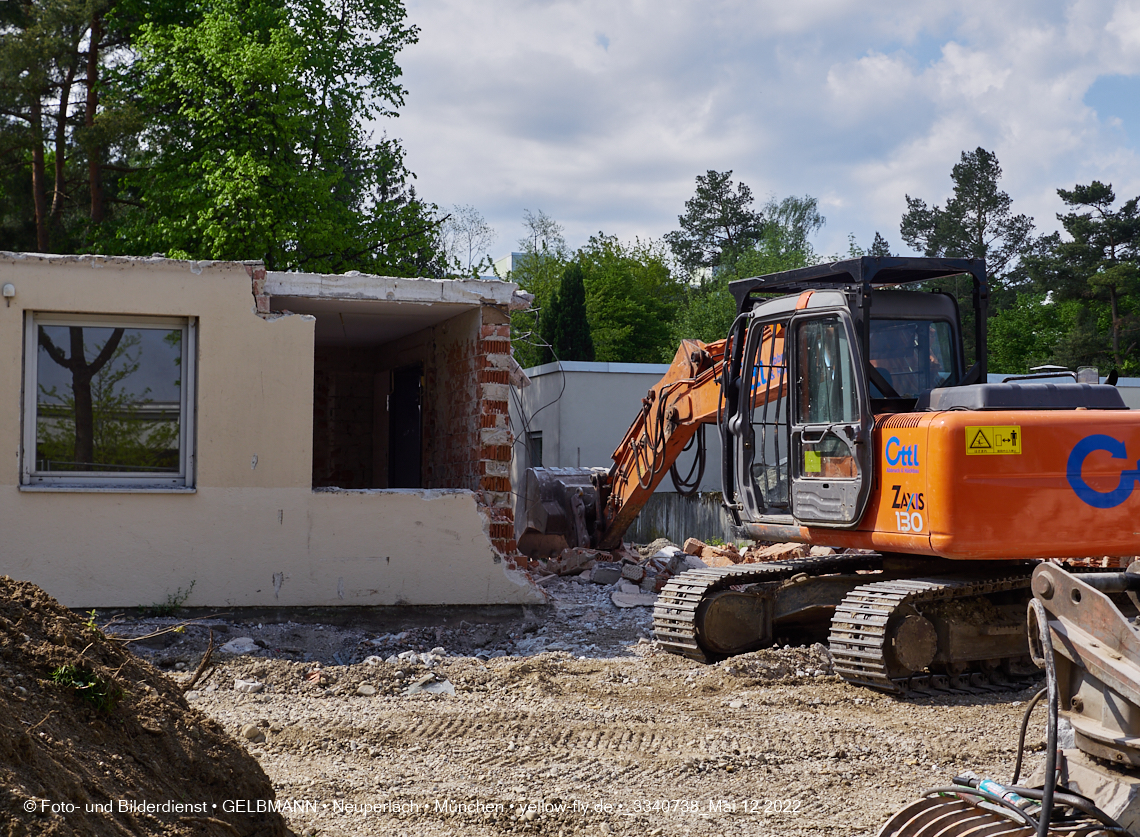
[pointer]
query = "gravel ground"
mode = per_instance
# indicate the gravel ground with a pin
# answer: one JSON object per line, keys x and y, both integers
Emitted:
{"x": 570, "y": 721}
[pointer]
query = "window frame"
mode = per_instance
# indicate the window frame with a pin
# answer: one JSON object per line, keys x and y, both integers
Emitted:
{"x": 184, "y": 480}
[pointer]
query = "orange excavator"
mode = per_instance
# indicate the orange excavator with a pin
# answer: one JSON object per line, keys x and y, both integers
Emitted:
{"x": 848, "y": 419}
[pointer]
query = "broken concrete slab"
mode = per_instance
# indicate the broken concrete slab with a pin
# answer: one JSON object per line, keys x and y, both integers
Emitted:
{"x": 605, "y": 573}
{"x": 639, "y": 599}
{"x": 240, "y": 645}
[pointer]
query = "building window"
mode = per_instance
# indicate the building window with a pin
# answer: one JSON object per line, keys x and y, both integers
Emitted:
{"x": 109, "y": 401}
{"x": 534, "y": 448}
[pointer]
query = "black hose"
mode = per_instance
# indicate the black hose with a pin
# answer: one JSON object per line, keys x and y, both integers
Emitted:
{"x": 1077, "y": 803}
{"x": 1021, "y": 737}
{"x": 989, "y": 797}
{"x": 1051, "y": 730}
{"x": 688, "y": 486}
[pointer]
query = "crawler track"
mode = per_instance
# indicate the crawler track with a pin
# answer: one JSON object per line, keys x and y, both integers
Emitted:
{"x": 675, "y": 615}
{"x": 860, "y": 630}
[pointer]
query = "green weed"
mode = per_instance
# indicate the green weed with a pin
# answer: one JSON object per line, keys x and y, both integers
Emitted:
{"x": 100, "y": 693}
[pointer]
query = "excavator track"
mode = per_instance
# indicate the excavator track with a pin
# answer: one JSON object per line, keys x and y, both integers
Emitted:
{"x": 861, "y": 635}
{"x": 675, "y": 614}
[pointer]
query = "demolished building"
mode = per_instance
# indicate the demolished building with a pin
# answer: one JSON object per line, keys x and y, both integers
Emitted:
{"x": 262, "y": 438}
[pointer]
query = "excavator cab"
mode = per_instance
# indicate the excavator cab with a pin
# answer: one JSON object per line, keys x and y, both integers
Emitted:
{"x": 838, "y": 347}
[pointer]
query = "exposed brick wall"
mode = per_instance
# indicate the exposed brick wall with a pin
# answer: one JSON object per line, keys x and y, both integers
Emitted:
{"x": 470, "y": 435}
{"x": 495, "y": 441}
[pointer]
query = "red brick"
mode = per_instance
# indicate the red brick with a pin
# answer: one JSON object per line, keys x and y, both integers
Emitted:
{"x": 495, "y": 483}
{"x": 496, "y": 453}
{"x": 494, "y": 376}
{"x": 496, "y": 347}
{"x": 496, "y": 407}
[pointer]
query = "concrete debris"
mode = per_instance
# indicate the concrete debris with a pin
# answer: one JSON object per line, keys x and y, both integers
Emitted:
{"x": 430, "y": 684}
{"x": 248, "y": 687}
{"x": 623, "y": 598}
{"x": 240, "y": 645}
{"x": 694, "y": 546}
{"x": 372, "y": 660}
{"x": 605, "y": 573}
{"x": 574, "y": 560}
{"x": 634, "y": 572}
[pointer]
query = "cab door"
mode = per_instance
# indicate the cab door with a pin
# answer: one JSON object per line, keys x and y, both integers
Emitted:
{"x": 831, "y": 453}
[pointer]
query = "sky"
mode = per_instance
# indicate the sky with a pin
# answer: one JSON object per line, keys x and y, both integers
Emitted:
{"x": 601, "y": 114}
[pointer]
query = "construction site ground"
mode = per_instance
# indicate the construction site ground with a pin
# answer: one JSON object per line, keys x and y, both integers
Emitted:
{"x": 567, "y": 720}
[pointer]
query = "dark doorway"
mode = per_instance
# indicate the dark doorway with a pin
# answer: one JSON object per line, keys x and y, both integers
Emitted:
{"x": 405, "y": 427}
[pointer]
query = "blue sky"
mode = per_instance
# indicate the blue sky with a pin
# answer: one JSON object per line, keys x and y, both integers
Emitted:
{"x": 601, "y": 114}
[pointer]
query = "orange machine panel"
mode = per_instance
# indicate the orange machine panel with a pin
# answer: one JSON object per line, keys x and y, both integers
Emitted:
{"x": 1033, "y": 484}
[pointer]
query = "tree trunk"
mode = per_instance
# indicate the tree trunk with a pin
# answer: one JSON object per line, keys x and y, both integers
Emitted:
{"x": 94, "y": 164}
{"x": 1115, "y": 330}
{"x": 39, "y": 188}
{"x": 61, "y": 145}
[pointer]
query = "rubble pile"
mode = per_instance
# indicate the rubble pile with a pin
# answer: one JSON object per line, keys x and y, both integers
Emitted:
{"x": 95, "y": 741}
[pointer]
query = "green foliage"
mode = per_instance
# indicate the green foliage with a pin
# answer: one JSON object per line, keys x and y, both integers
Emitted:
{"x": 1097, "y": 269}
{"x": 173, "y": 602}
{"x": 232, "y": 130}
{"x": 976, "y": 222}
{"x": 709, "y": 310}
{"x": 566, "y": 329}
{"x": 879, "y": 247}
{"x": 1024, "y": 335}
{"x": 103, "y": 694}
{"x": 718, "y": 223}
{"x": 538, "y": 271}
{"x": 255, "y": 146}
{"x": 631, "y": 299}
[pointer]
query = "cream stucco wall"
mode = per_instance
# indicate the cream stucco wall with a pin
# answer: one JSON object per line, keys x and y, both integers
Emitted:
{"x": 246, "y": 536}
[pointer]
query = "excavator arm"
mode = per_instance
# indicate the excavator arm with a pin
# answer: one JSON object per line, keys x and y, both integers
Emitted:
{"x": 594, "y": 507}
{"x": 687, "y": 397}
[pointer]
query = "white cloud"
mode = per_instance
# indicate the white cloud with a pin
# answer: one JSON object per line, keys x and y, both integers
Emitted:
{"x": 602, "y": 114}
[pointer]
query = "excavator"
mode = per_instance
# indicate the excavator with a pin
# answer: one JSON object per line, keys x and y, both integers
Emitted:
{"x": 848, "y": 419}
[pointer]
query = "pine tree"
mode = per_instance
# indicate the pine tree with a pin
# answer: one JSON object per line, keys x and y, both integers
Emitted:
{"x": 567, "y": 329}
{"x": 880, "y": 248}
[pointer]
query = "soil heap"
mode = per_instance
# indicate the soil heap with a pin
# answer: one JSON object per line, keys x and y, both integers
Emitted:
{"x": 95, "y": 741}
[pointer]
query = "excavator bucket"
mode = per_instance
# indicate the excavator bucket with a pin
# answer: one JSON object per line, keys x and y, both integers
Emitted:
{"x": 556, "y": 509}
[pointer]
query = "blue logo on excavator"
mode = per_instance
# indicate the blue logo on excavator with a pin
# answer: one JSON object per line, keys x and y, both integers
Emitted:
{"x": 1088, "y": 494}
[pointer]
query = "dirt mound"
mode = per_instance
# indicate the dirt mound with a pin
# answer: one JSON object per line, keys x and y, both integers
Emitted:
{"x": 95, "y": 741}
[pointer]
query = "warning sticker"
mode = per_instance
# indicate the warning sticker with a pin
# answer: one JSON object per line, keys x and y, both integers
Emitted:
{"x": 993, "y": 440}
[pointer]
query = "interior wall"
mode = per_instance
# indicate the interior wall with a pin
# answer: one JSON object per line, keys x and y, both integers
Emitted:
{"x": 350, "y": 407}
{"x": 347, "y": 447}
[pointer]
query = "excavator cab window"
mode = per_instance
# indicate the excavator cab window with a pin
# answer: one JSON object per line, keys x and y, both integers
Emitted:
{"x": 767, "y": 449}
{"x": 914, "y": 356}
{"x": 826, "y": 396}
